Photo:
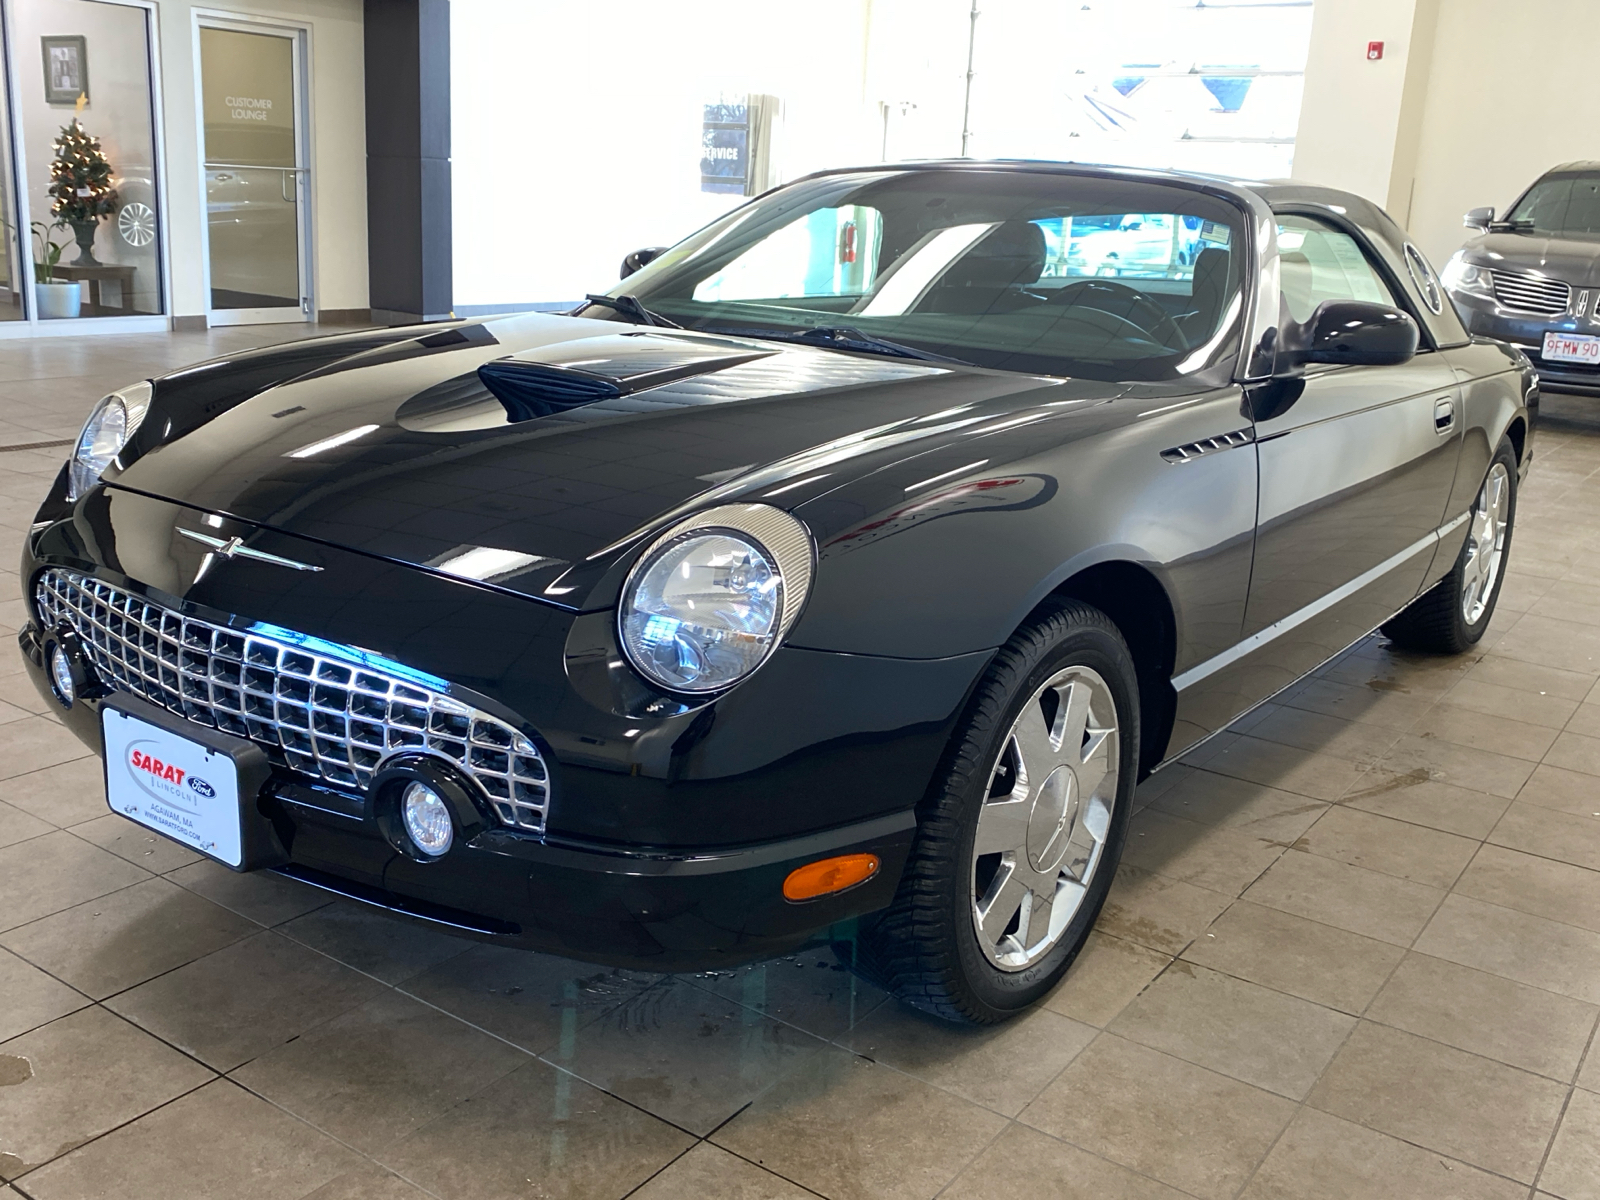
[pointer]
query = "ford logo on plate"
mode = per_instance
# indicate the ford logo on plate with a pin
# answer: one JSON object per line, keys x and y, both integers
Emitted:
{"x": 201, "y": 786}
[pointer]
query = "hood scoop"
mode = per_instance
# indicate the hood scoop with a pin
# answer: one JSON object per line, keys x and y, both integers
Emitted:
{"x": 508, "y": 391}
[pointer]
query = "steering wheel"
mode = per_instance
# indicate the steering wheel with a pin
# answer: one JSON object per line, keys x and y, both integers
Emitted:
{"x": 1159, "y": 326}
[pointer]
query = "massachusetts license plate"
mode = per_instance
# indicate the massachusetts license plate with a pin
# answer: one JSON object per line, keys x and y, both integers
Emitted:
{"x": 1572, "y": 347}
{"x": 172, "y": 785}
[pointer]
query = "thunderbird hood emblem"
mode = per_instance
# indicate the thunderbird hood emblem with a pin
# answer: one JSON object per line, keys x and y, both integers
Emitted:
{"x": 235, "y": 548}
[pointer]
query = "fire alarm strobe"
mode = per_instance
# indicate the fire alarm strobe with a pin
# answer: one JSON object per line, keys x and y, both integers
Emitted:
{"x": 1374, "y": 51}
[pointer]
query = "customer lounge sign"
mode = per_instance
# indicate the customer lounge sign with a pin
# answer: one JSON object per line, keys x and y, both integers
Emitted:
{"x": 247, "y": 87}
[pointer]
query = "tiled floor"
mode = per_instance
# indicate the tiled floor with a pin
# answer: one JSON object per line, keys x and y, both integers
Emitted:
{"x": 1354, "y": 952}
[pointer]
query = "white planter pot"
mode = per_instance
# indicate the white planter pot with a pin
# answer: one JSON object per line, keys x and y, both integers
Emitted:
{"x": 55, "y": 300}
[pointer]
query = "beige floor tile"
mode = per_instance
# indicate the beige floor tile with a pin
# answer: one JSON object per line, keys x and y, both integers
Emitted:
{"x": 75, "y": 1078}
{"x": 708, "y": 1171}
{"x": 48, "y": 874}
{"x": 1156, "y": 912}
{"x": 1566, "y": 645}
{"x": 1534, "y": 885}
{"x": 853, "y": 1129}
{"x": 1258, "y": 1036}
{"x": 1249, "y": 808}
{"x": 1486, "y": 1014}
{"x": 1550, "y": 834}
{"x": 1565, "y": 791}
{"x": 1161, "y": 1116}
{"x": 1574, "y": 752}
{"x": 1319, "y": 776}
{"x": 1001, "y": 1067}
{"x": 1389, "y": 846}
{"x": 243, "y": 1000}
{"x": 63, "y": 795}
{"x": 1532, "y": 950}
{"x": 1359, "y": 741}
{"x": 684, "y": 1055}
{"x": 370, "y": 1182}
{"x": 262, "y": 896}
{"x": 524, "y": 997}
{"x": 31, "y": 997}
{"x": 810, "y": 990}
{"x": 1492, "y": 700}
{"x": 381, "y": 1071}
{"x": 1108, "y": 973}
{"x": 135, "y": 843}
{"x": 246, "y": 1150}
{"x": 1321, "y": 1157}
{"x": 1498, "y": 732}
{"x": 1209, "y": 856}
{"x": 18, "y": 826}
{"x": 1352, "y": 898}
{"x": 1414, "y": 796}
{"x": 35, "y": 743}
{"x": 116, "y": 941}
{"x": 1024, "y": 1162}
{"x": 1461, "y": 766}
{"x": 1390, "y": 708}
{"x": 1331, "y": 967}
{"x": 1531, "y": 677}
{"x": 537, "y": 1132}
{"x": 1586, "y": 721}
{"x": 1480, "y": 1111}
{"x": 1573, "y": 1170}
{"x": 372, "y": 941}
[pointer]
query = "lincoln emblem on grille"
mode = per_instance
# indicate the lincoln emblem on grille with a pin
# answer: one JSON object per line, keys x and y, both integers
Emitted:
{"x": 235, "y": 547}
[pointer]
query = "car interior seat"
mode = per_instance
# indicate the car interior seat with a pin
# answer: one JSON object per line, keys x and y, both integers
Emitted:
{"x": 991, "y": 276}
{"x": 1208, "y": 290}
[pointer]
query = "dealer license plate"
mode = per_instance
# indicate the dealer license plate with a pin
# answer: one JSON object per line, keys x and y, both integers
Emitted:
{"x": 1572, "y": 347}
{"x": 172, "y": 785}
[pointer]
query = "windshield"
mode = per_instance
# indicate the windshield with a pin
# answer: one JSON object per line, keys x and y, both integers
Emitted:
{"x": 1561, "y": 204}
{"x": 1045, "y": 273}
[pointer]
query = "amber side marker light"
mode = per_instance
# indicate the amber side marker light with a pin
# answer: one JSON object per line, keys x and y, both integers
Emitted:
{"x": 829, "y": 875}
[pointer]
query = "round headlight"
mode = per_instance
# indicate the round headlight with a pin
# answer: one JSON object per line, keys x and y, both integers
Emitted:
{"x": 427, "y": 819}
{"x": 711, "y": 596}
{"x": 113, "y": 421}
{"x": 61, "y": 676}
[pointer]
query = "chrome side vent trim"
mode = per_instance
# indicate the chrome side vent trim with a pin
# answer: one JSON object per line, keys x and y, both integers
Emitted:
{"x": 1223, "y": 441}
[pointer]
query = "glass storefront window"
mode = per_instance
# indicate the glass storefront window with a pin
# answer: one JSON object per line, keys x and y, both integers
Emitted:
{"x": 13, "y": 274}
{"x": 88, "y": 160}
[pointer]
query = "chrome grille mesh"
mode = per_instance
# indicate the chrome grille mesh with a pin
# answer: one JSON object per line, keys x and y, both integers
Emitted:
{"x": 331, "y": 717}
{"x": 1530, "y": 293}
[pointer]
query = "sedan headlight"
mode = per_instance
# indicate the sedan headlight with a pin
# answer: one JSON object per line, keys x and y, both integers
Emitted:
{"x": 711, "y": 597}
{"x": 113, "y": 421}
{"x": 1461, "y": 276}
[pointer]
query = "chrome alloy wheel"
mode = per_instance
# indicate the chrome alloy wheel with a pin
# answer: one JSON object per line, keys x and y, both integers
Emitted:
{"x": 1045, "y": 818}
{"x": 1486, "y": 543}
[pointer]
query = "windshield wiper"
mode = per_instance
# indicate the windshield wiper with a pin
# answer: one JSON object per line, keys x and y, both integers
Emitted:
{"x": 629, "y": 306}
{"x": 842, "y": 337}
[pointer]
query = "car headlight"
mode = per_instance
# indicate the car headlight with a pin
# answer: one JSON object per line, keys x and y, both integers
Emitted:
{"x": 1461, "y": 276}
{"x": 710, "y": 598}
{"x": 113, "y": 421}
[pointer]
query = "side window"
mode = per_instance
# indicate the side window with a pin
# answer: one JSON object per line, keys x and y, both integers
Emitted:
{"x": 1318, "y": 262}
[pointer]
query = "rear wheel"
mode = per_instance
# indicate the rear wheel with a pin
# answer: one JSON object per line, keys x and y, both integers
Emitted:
{"x": 1452, "y": 615}
{"x": 1017, "y": 847}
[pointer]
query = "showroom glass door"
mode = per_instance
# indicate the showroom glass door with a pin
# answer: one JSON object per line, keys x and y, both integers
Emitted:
{"x": 256, "y": 184}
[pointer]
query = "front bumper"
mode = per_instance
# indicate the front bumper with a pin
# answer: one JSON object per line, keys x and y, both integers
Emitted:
{"x": 1485, "y": 318}
{"x": 668, "y": 838}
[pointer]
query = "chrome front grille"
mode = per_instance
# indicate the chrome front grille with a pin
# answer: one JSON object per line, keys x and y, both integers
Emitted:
{"x": 330, "y": 712}
{"x": 1530, "y": 293}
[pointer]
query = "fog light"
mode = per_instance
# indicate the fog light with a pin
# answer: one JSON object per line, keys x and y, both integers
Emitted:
{"x": 427, "y": 819}
{"x": 61, "y": 676}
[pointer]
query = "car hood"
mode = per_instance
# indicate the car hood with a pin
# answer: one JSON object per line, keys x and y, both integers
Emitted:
{"x": 1574, "y": 260}
{"x": 532, "y": 453}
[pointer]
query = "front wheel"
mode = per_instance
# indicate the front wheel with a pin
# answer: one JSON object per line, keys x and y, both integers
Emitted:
{"x": 1451, "y": 616}
{"x": 1018, "y": 843}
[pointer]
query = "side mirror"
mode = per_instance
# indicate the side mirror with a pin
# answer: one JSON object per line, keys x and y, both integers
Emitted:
{"x": 1479, "y": 218}
{"x": 640, "y": 258}
{"x": 1350, "y": 333}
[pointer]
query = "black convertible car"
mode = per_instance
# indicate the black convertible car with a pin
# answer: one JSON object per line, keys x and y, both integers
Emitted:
{"x": 850, "y": 561}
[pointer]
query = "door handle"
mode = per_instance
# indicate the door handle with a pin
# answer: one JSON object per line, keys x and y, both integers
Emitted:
{"x": 1444, "y": 415}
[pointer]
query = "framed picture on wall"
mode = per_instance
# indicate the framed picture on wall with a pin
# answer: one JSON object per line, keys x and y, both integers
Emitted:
{"x": 66, "y": 69}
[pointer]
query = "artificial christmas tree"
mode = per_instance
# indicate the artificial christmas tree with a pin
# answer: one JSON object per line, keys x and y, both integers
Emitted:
{"x": 80, "y": 181}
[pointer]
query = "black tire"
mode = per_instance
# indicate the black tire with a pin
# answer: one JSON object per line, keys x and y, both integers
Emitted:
{"x": 924, "y": 948}
{"x": 1436, "y": 622}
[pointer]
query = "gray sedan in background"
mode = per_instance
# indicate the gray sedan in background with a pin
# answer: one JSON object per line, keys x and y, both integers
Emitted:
{"x": 1532, "y": 276}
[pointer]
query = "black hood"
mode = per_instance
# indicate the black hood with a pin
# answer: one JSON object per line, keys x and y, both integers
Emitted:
{"x": 529, "y": 452}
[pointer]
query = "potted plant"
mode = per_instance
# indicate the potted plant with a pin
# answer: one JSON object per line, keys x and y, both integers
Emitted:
{"x": 52, "y": 299}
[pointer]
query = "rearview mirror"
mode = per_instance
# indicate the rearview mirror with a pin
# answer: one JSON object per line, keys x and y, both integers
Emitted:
{"x": 1350, "y": 333}
{"x": 1479, "y": 218}
{"x": 640, "y": 258}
